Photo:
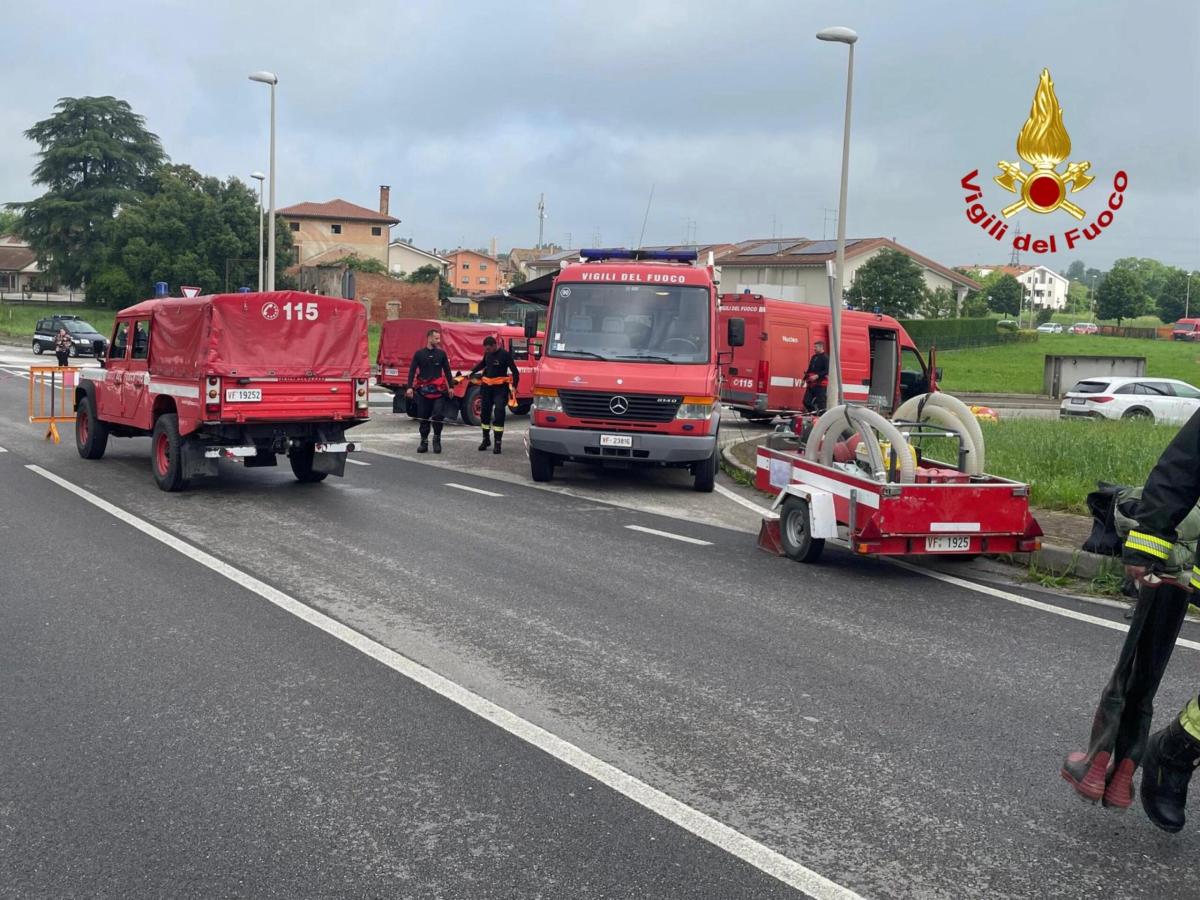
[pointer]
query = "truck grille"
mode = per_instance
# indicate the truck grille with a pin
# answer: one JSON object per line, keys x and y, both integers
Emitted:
{"x": 599, "y": 405}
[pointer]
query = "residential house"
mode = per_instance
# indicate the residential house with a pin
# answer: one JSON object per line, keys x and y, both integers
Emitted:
{"x": 795, "y": 268}
{"x": 471, "y": 272}
{"x": 404, "y": 258}
{"x": 324, "y": 232}
{"x": 519, "y": 259}
{"x": 18, "y": 264}
{"x": 1044, "y": 288}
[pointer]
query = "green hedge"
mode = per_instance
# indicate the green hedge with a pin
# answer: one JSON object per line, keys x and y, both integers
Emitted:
{"x": 952, "y": 334}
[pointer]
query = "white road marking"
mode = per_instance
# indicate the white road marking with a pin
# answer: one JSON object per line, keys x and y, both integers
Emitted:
{"x": 670, "y": 534}
{"x": 675, "y": 811}
{"x": 473, "y": 490}
{"x": 2, "y": 450}
{"x": 357, "y": 462}
{"x": 1032, "y": 604}
{"x": 749, "y": 504}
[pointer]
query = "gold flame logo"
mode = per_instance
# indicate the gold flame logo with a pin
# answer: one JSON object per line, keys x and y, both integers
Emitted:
{"x": 1044, "y": 144}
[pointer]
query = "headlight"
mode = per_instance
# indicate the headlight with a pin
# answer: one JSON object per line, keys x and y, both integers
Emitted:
{"x": 547, "y": 400}
{"x": 696, "y": 408}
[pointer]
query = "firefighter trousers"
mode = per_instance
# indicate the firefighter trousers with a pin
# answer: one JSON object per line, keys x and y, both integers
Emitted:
{"x": 493, "y": 400}
{"x": 814, "y": 398}
{"x": 430, "y": 412}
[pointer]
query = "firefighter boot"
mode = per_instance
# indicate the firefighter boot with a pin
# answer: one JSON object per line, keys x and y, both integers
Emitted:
{"x": 437, "y": 443}
{"x": 423, "y": 447}
{"x": 1118, "y": 794}
{"x": 1086, "y": 775}
{"x": 1171, "y": 757}
{"x": 496, "y": 445}
{"x": 487, "y": 439}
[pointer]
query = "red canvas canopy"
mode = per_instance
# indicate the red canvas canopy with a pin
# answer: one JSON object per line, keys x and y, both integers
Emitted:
{"x": 284, "y": 334}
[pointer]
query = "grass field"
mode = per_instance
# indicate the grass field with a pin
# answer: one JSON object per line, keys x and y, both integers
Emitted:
{"x": 1017, "y": 368}
{"x": 19, "y": 321}
{"x": 1063, "y": 460}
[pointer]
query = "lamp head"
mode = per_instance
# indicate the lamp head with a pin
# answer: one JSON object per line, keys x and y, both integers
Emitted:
{"x": 265, "y": 77}
{"x": 840, "y": 34}
{"x": 257, "y": 176}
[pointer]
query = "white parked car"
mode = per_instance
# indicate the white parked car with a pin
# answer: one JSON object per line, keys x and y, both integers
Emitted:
{"x": 1157, "y": 399}
{"x": 1050, "y": 328}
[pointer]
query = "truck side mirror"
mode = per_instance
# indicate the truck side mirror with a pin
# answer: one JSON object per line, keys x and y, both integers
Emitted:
{"x": 531, "y": 320}
{"x": 736, "y": 332}
{"x": 937, "y": 373}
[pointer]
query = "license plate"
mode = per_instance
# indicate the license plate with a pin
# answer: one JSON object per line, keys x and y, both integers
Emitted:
{"x": 391, "y": 371}
{"x": 243, "y": 395}
{"x": 947, "y": 544}
{"x": 616, "y": 440}
{"x": 1078, "y": 401}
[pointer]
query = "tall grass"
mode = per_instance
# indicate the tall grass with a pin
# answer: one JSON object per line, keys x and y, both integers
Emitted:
{"x": 1018, "y": 368}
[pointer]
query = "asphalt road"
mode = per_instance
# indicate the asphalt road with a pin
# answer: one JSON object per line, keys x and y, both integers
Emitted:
{"x": 896, "y": 734}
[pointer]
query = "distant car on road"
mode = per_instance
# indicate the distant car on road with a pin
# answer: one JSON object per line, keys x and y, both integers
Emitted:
{"x": 1186, "y": 330}
{"x": 1050, "y": 328}
{"x": 83, "y": 335}
{"x": 1084, "y": 328}
{"x": 1164, "y": 400}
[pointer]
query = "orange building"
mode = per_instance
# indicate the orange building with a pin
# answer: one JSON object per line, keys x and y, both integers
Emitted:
{"x": 471, "y": 272}
{"x": 323, "y": 232}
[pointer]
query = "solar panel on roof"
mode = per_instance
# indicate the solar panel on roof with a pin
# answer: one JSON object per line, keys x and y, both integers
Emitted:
{"x": 819, "y": 248}
{"x": 772, "y": 249}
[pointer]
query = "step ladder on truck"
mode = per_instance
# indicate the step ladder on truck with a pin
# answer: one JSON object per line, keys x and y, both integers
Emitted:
{"x": 856, "y": 479}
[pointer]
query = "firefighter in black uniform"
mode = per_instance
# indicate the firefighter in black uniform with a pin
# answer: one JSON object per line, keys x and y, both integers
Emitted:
{"x": 1171, "y": 491}
{"x": 496, "y": 366}
{"x": 429, "y": 380}
{"x": 816, "y": 379}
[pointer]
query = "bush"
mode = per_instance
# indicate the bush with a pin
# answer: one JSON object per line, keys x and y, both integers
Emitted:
{"x": 952, "y": 334}
{"x": 112, "y": 288}
{"x": 1044, "y": 315}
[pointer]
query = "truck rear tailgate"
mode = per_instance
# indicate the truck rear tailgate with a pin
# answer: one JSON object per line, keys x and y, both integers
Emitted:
{"x": 262, "y": 400}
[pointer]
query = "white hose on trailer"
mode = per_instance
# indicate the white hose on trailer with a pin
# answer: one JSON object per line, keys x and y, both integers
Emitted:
{"x": 917, "y": 409}
{"x": 867, "y": 423}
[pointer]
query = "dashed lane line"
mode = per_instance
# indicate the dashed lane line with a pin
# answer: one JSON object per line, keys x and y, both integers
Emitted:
{"x": 670, "y": 534}
{"x": 473, "y": 490}
{"x": 749, "y": 504}
{"x": 705, "y": 827}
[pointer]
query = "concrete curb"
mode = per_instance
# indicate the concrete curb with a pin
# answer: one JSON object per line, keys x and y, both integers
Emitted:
{"x": 1052, "y": 557}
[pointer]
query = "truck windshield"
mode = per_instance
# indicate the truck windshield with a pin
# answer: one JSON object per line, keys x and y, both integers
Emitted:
{"x": 631, "y": 322}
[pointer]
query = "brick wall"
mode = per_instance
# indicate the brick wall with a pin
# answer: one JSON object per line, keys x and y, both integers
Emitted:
{"x": 416, "y": 301}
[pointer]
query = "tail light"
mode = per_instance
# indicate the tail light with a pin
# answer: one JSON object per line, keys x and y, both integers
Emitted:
{"x": 360, "y": 393}
{"x": 1101, "y": 399}
{"x": 212, "y": 398}
{"x": 764, "y": 375}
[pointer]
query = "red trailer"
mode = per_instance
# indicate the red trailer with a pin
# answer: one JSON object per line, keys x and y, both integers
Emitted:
{"x": 941, "y": 510}
{"x": 463, "y": 343}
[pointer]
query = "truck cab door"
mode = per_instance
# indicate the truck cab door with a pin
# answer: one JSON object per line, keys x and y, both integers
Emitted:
{"x": 885, "y": 369}
{"x": 109, "y": 399}
{"x": 137, "y": 399}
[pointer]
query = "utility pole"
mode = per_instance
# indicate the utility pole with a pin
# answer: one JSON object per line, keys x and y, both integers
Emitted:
{"x": 541, "y": 218}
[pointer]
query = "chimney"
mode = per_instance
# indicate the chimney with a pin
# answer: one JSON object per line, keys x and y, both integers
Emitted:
{"x": 385, "y": 193}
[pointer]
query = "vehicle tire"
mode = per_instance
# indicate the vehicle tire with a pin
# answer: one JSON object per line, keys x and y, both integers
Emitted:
{"x": 796, "y": 534}
{"x": 541, "y": 465}
{"x": 72, "y": 350}
{"x": 522, "y": 408}
{"x": 91, "y": 435}
{"x": 1138, "y": 413}
{"x": 166, "y": 454}
{"x": 471, "y": 406}
{"x": 38, "y": 349}
{"x": 705, "y": 472}
{"x": 410, "y": 407}
{"x": 301, "y": 458}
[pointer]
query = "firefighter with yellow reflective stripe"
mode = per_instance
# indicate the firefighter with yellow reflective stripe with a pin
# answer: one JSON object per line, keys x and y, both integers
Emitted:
{"x": 499, "y": 373}
{"x": 1171, "y": 491}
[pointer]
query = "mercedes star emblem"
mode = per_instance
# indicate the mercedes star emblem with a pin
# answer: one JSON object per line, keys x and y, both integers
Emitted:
{"x": 618, "y": 406}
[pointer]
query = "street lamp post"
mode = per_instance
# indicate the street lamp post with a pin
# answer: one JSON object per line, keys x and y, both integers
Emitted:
{"x": 845, "y": 36}
{"x": 1187, "y": 297}
{"x": 259, "y": 176}
{"x": 271, "y": 79}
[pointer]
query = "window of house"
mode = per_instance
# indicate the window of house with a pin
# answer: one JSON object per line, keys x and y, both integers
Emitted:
{"x": 483, "y": 279}
{"x": 335, "y": 229}
{"x": 482, "y": 267}
{"x": 376, "y": 231}
{"x": 466, "y": 266}
{"x": 466, "y": 280}
{"x": 295, "y": 226}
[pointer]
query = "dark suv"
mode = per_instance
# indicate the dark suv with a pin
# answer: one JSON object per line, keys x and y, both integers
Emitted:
{"x": 83, "y": 335}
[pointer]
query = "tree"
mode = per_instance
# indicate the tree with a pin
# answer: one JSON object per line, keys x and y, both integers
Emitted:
{"x": 9, "y": 222}
{"x": 363, "y": 264}
{"x": 1120, "y": 296}
{"x": 427, "y": 273}
{"x": 939, "y": 304}
{"x": 975, "y": 306}
{"x": 1075, "y": 271}
{"x": 1079, "y": 298}
{"x": 1005, "y": 295}
{"x": 190, "y": 229}
{"x": 1172, "y": 301}
{"x": 96, "y": 157}
{"x": 1044, "y": 315}
{"x": 1151, "y": 275}
{"x": 890, "y": 282}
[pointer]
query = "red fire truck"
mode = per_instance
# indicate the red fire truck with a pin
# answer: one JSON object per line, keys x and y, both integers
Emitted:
{"x": 629, "y": 371}
{"x": 463, "y": 343}
{"x": 880, "y": 363}
{"x": 231, "y": 376}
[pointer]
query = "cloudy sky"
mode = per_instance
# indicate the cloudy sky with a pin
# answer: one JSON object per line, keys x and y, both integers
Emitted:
{"x": 731, "y": 111}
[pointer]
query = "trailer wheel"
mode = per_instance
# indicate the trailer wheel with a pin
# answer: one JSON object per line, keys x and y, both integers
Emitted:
{"x": 166, "y": 454}
{"x": 522, "y": 408}
{"x": 795, "y": 532}
{"x": 705, "y": 472}
{"x": 91, "y": 435}
{"x": 471, "y": 406}
{"x": 541, "y": 465}
{"x": 301, "y": 458}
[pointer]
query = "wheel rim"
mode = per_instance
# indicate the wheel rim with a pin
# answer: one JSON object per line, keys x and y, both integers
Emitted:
{"x": 81, "y": 425}
{"x": 794, "y": 526}
{"x": 162, "y": 453}
{"x": 477, "y": 407}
